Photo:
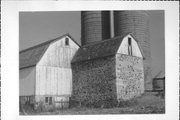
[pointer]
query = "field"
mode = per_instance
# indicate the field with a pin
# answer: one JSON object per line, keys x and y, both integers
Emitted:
{"x": 146, "y": 104}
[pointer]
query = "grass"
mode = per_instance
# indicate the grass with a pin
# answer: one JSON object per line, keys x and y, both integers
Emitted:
{"x": 146, "y": 104}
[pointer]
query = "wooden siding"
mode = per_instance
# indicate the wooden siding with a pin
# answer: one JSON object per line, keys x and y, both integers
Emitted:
{"x": 53, "y": 81}
{"x": 123, "y": 49}
{"x": 59, "y": 55}
{"x": 53, "y": 72}
{"x": 27, "y": 81}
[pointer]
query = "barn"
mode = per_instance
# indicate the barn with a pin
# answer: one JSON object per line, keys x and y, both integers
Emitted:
{"x": 45, "y": 73}
{"x": 108, "y": 71}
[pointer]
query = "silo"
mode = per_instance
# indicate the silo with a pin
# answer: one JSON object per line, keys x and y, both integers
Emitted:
{"x": 95, "y": 26}
{"x": 137, "y": 23}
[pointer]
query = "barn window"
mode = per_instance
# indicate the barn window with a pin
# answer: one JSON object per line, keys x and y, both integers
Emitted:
{"x": 28, "y": 98}
{"x": 67, "y": 41}
{"x": 50, "y": 100}
{"x": 129, "y": 46}
{"x": 46, "y": 99}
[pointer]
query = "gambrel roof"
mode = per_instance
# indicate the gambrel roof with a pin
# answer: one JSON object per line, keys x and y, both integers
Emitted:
{"x": 99, "y": 49}
{"x": 31, "y": 56}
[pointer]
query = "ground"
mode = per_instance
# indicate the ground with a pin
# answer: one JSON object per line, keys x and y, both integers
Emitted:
{"x": 146, "y": 104}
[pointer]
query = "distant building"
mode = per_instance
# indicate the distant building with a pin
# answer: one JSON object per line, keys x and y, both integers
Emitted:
{"x": 108, "y": 71}
{"x": 45, "y": 73}
{"x": 159, "y": 82}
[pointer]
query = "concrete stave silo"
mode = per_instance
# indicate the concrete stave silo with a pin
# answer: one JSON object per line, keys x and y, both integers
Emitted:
{"x": 137, "y": 23}
{"x": 95, "y": 26}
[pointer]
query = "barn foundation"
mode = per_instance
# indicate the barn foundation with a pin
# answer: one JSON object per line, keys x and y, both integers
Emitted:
{"x": 43, "y": 103}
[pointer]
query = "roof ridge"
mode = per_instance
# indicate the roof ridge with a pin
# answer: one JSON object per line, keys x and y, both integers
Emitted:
{"x": 105, "y": 40}
{"x": 44, "y": 43}
{"x": 98, "y": 49}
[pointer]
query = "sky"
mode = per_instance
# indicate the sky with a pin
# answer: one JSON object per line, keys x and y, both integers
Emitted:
{"x": 38, "y": 27}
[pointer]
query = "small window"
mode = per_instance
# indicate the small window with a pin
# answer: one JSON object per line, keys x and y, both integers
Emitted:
{"x": 46, "y": 99}
{"x": 50, "y": 100}
{"x": 67, "y": 41}
{"x": 28, "y": 98}
{"x": 129, "y": 46}
{"x": 129, "y": 41}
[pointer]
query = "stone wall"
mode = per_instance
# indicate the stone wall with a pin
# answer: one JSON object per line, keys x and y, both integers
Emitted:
{"x": 136, "y": 23}
{"x": 130, "y": 76}
{"x": 94, "y": 81}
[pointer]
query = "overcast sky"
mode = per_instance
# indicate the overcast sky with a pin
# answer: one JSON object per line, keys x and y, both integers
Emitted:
{"x": 38, "y": 27}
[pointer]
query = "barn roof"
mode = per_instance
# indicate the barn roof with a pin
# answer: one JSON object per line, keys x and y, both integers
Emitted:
{"x": 160, "y": 75}
{"x": 99, "y": 49}
{"x": 31, "y": 56}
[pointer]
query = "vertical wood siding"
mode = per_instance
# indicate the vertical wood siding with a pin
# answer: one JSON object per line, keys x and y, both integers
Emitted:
{"x": 123, "y": 49}
{"x": 59, "y": 55}
{"x": 27, "y": 81}
{"x": 54, "y": 75}
{"x": 53, "y": 81}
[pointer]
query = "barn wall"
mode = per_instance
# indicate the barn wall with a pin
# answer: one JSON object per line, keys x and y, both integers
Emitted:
{"x": 53, "y": 81}
{"x": 123, "y": 49}
{"x": 58, "y": 102}
{"x": 94, "y": 80}
{"x": 54, "y": 75}
{"x": 129, "y": 76}
{"x": 137, "y": 23}
{"x": 59, "y": 55}
{"x": 27, "y": 81}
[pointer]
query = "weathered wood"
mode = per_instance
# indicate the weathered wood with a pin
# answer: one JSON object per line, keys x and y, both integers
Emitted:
{"x": 53, "y": 81}
{"x": 59, "y": 55}
{"x": 54, "y": 75}
{"x": 123, "y": 49}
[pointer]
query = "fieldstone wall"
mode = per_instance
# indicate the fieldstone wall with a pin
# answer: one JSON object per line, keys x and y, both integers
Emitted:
{"x": 136, "y": 23}
{"x": 94, "y": 82}
{"x": 130, "y": 76}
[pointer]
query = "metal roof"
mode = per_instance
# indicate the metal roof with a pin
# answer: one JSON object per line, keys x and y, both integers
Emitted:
{"x": 31, "y": 56}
